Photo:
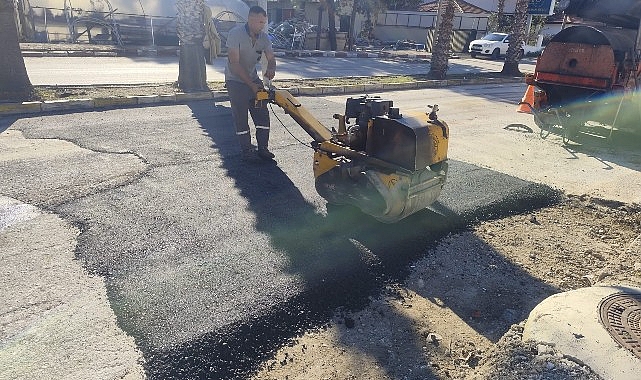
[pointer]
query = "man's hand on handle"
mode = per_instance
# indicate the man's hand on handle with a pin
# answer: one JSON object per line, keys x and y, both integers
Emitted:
{"x": 270, "y": 73}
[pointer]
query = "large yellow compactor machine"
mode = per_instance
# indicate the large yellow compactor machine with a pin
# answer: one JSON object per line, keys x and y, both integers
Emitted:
{"x": 387, "y": 164}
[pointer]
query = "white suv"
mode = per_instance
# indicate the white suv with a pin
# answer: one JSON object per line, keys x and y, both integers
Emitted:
{"x": 493, "y": 45}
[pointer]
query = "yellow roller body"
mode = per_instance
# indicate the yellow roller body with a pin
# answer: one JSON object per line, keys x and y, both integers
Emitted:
{"x": 418, "y": 149}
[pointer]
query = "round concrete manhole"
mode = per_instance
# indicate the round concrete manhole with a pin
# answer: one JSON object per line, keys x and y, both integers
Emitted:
{"x": 620, "y": 313}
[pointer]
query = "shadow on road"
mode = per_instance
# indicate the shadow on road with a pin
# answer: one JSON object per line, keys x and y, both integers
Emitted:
{"x": 342, "y": 256}
{"x": 6, "y": 122}
{"x": 621, "y": 147}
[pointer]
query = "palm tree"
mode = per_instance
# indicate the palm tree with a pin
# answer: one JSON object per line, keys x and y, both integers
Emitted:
{"x": 321, "y": 7}
{"x": 500, "y": 15}
{"x": 367, "y": 8}
{"x": 351, "y": 37}
{"x": 511, "y": 65}
{"x": 331, "y": 15}
{"x": 14, "y": 81}
{"x": 350, "y": 33}
{"x": 443, "y": 44}
{"x": 190, "y": 29}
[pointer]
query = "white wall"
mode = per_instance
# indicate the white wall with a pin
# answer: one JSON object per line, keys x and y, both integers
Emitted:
{"x": 428, "y": 20}
{"x": 491, "y": 5}
{"x": 550, "y": 29}
{"x": 388, "y": 33}
{"x": 131, "y": 6}
{"x": 165, "y": 8}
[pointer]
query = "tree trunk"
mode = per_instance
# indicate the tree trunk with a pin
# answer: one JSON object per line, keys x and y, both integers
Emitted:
{"x": 500, "y": 15}
{"x": 352, "y": 33}
{"x": 318, "y": 28}
{"x": 190, "y": 29}
{"x": 511, "y": 65}
{"x": 192, "y": 74}
{"x": 443, "y": 45}
{"x": 14, "y": 81}
{"x": 331, "y": 15}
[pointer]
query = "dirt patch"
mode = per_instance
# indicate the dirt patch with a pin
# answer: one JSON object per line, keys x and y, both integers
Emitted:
{"x": 459, "y": 315}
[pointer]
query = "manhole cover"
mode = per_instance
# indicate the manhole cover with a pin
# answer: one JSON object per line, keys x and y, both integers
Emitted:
{"x": 621, "y": 315}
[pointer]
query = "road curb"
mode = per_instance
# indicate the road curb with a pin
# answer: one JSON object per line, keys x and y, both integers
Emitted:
{"x": 97, "y": 104}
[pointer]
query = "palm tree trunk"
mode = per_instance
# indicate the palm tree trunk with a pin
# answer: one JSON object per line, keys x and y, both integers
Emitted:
{"x": 14, "y": 81}
{"x": 331, "y": 15}
{"x": 441, "y": 51}
{"x": 500, "y": 15}
{"x": 352, "y": 33}
{"x": 511, "y": 65}
{"x": 321, "y": 6}
{"x": 190, "y": 29}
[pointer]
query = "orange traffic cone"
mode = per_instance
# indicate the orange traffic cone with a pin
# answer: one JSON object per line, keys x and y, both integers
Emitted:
{"x": 528, "y": 98}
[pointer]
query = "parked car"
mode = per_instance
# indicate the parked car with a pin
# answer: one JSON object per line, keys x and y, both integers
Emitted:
{"x": 493, "y": 45}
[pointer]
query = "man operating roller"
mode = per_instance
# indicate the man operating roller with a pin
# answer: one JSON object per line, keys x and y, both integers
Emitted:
{"x": 245, "y": 46}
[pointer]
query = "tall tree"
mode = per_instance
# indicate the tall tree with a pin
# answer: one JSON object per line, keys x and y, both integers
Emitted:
{"x": 351, "y": 36}
{"x": 511, "y": 65}
{"x": 191, "y": 31}
{"x": 501, "y": 25}
{"x": 499, "y": 21}
{"x": 368, "y": 8}
{"x": 443, "y": 44}
{"x": 14, "y": 81}
{"x": 403, "y": 5}
{"x": 331, "y": 15}
{"x": 321, "y": 8}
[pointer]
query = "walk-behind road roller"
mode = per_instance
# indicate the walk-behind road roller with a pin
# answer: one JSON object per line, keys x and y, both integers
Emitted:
{"x": 387, "y": 164}
{"x": 590, "y": 72}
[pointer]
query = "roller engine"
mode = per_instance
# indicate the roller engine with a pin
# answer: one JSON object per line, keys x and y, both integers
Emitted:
{"x": 387, "y": 164}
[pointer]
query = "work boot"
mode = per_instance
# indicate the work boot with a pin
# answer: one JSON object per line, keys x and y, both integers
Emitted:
{"x": 249, "y": 155}
{"x": 265, "y": 154}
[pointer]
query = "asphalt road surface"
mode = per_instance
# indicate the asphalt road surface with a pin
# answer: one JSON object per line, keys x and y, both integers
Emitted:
{"x": 211, "y": 263}
{"x": 123, "y": 70}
